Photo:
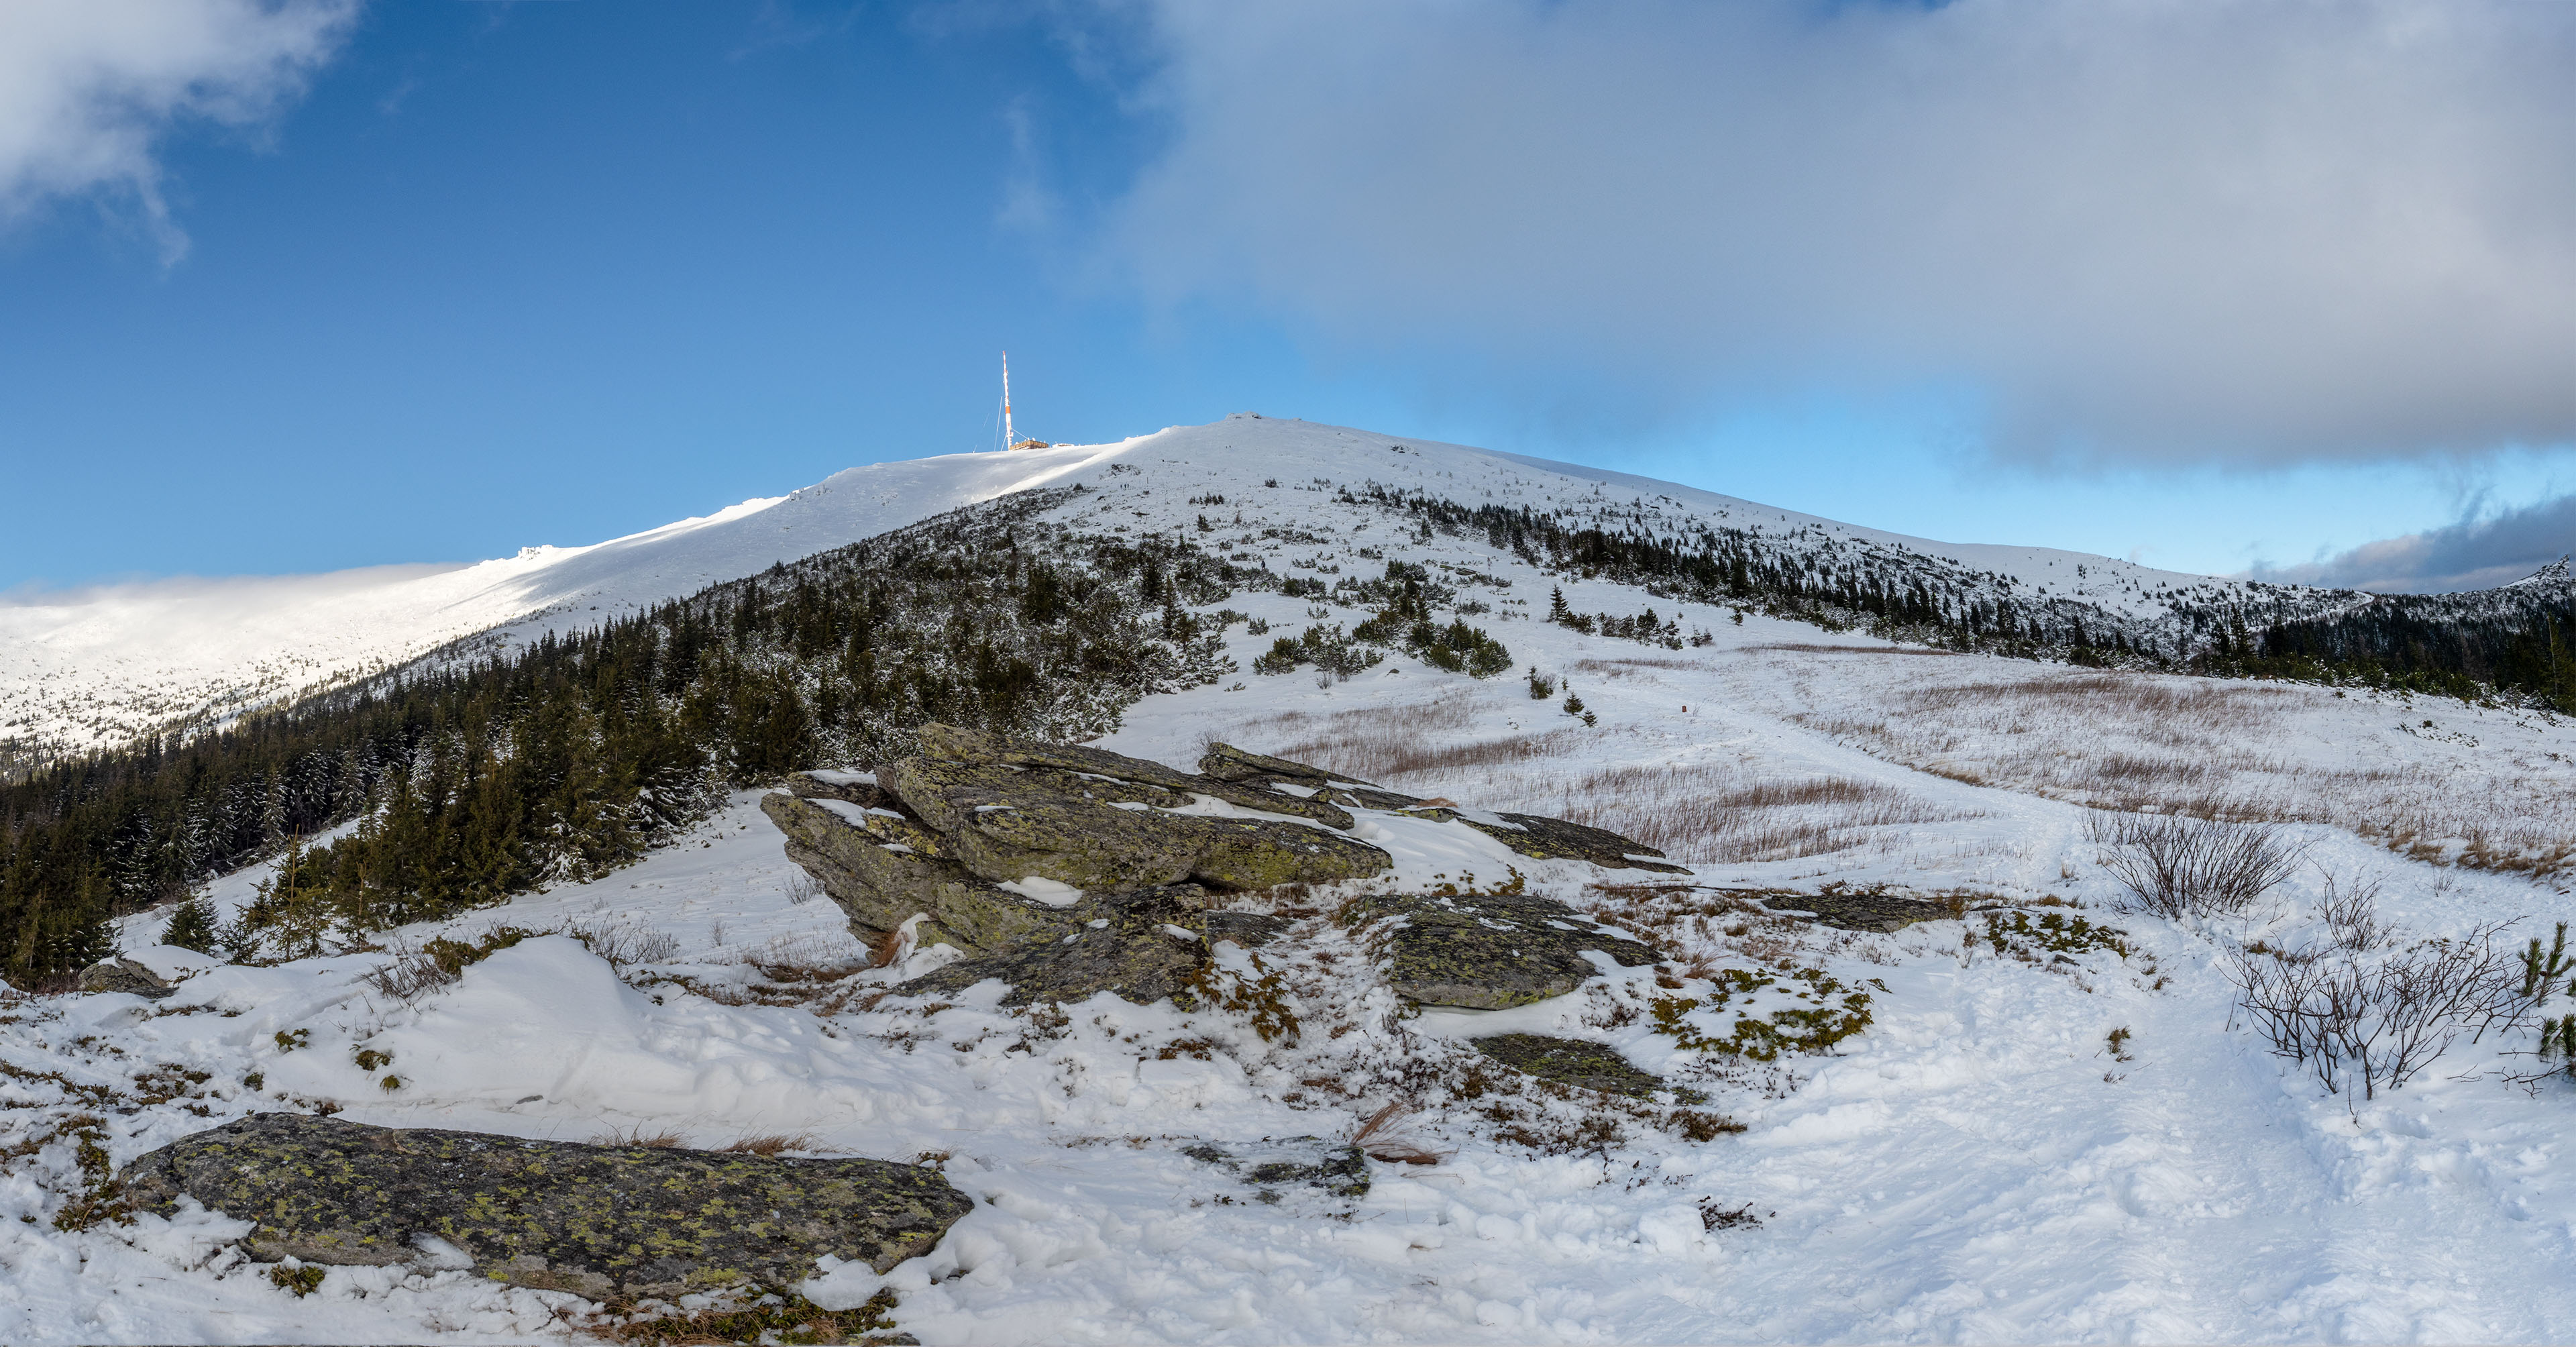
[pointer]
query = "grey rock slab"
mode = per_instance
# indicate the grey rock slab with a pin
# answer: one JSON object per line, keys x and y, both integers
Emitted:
{"x": 1487, "y": 952}
{"x": 599, "y": 1221}
{"x": 1857, "y": 910}
{"x": 952, "y": 743}
{"x": 1543, "y": 838}
{"x": 124, "y": 975}
{"x": 880, "y": 884}
{"x": 1007, "y": 823}
{"x": 1144, "y": 948}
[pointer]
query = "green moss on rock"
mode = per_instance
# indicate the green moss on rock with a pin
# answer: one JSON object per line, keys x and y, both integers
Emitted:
{"x": 599, "y": 1221}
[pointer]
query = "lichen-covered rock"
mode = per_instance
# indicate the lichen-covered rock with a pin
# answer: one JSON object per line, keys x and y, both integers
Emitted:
{"x": 1225, "y": 762}
{"x": 125, "y": 975}
{"x": 1489, "y": 952}
{"x": 880, "y": 884}
{"x": 1143, "y": 947}
{"x": 599, "y": 1221}
{"x": 1570, "y": 1061}
{"x": 1855, "y": 909}
{"x": 952, "y": 743}
{"x": 859, "y": 788}
{"x": 1247, "y": 929}
{"x": 1544, "y": 838}
{"x": 1008, "y": 823}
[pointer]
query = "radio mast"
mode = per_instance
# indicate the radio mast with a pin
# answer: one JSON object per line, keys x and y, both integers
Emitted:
{"x": 1010, "y": 437}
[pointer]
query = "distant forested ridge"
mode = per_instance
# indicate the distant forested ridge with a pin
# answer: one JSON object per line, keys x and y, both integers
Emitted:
{"x": 2513, "y": 640}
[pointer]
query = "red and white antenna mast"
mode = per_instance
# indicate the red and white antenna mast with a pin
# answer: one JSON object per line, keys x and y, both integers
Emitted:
{"x": 1010, "y": 437}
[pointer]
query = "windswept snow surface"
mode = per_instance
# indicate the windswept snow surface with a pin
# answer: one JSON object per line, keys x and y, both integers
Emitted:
{"x": 1983, "y": 1163}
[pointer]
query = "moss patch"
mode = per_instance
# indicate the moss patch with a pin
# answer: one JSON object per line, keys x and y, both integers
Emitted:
{"x": 1570, "y": 1061}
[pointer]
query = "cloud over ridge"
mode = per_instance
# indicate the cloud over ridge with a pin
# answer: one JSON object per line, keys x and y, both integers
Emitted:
{"x": 2242, "y": 230}
{"x": 89, "y": 87}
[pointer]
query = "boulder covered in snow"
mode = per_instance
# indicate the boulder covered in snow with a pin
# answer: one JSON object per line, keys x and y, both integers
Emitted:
{"x": 155, "y": 972}
{"x": 1488, "y": 951}
{"x": 599, "y": 1221}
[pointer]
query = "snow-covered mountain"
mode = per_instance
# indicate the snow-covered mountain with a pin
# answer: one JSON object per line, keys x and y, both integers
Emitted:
{"x": 2057, "y": 1124}
{"x": 101, "y": 667}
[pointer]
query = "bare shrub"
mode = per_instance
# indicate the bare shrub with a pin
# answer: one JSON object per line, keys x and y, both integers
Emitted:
{"x": 802, "y": 888}
{"x": 2377, "y": 1023}
{"x": 410, "y": 975}
{"x": 2179, "y": 867}
{"x": 637, "y": 1136}
{"x": 2351, "y": 910}
{"x": 623, "y": 943}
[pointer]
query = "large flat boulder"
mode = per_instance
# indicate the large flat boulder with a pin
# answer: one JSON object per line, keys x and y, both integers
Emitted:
{"x": 953, "y": 743}
{"x": 1142, "y": 947}
{"x": 881, "y": 877}
{"x": 1488, "y": 952}
{"x": 599, "y": 1221}
{"x": 1542, "y": 838}
{"x": 1007, "y": 823}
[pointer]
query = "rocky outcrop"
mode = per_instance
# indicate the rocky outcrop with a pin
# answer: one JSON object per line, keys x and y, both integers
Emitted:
{"x": 599, "y": 1221}
{"x": 1488, "y": 952}
{"x": 1543, "y": 838}
{"x": 1065, "y": 870}
{"x": 1853, "y": 909}
{"x": 1143, "y": 947}
{"x": 1580, "y": 1063}
{"x": 125, "y": 975}
{"x": 1225, "y": 762}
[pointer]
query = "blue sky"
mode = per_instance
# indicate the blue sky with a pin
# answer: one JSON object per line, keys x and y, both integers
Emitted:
{"x": 436, "y": 280}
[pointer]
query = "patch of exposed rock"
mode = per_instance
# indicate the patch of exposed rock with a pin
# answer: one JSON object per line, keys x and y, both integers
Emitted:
{"x": 1337, "y": 1168}
{"x": 125, "y": 975}
{"x": 1543, "y": 838}
{"x": 1066, "y": 870}
{"x": 1853, "y": 909}
{"x": 599, "y": 1221}
{"x": 1488, "y": 952}
{"x": 1570, "y": 1061}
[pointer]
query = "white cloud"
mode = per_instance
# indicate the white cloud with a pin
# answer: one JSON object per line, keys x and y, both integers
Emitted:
{"x": 2254, "y": 230}
{"x": 2479, "y": 551}
{"x": 87, "y": 87}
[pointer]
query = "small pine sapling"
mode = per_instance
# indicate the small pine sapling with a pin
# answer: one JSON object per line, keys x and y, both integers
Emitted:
{"x": 2541, "y": 973}
{"x": 2558, "y": 1044}
{"x": 193, "y": 926}
{"x": 1541, "y": 687}
{"x": 1573, "y": 704}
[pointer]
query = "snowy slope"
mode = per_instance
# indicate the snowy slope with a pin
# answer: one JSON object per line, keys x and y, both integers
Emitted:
{"x": 1981, "y": 1164}
{"x": 98, "y": 667}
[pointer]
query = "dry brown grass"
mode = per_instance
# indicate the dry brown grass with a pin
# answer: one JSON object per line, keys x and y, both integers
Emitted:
{"x": 771, "y": 1145}
{"x": 1804, "y": 648}
{"x": 2202, "y": 748}
{"x": 637, "y": 1136}
{"x": 1706, "y": 813}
